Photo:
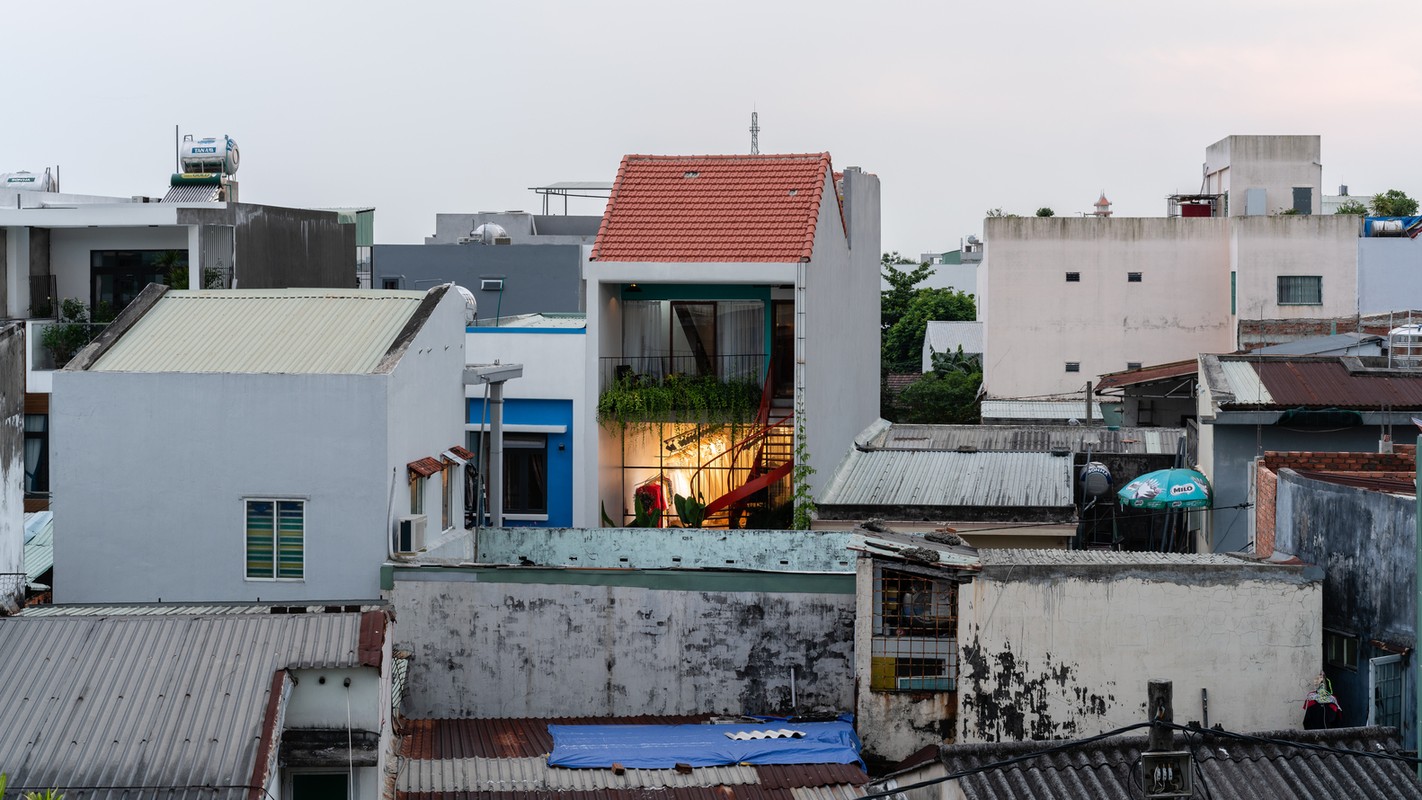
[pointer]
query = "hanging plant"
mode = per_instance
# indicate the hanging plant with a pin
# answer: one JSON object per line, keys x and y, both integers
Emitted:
{"x": 634, "y": 401}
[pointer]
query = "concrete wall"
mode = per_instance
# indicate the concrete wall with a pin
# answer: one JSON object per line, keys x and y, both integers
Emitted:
{"x": 281, "y": 248}
{"x": 837, "y": 325}
{"x": 156, "y": 467}
{"x": 1276, "y": 164}
{"x": 12, "y": 463}
{"x": 1232, "y": 449}
{"x": 425, "y": 402}
{"x": 1053, "y": 652}
{"x": 1264, "y": 248}
{"x": 1365, "y": 541}
{"x": 542, "y": 643}
{"x": 1389, "y": 274}
{"x": 1036, "y": 322}
{"x": 537, "y": 277}
{"x": 522, "y": 227}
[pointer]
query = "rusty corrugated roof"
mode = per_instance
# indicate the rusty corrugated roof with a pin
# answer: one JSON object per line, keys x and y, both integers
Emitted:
{"x": 1328, "y": 383}
{"x": 1156, "y": 372}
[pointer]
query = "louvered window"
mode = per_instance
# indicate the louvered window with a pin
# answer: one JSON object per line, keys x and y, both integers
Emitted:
{"x": 276, "y": 539}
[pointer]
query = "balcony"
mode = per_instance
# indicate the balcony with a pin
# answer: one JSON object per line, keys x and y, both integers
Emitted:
{"x": 50, "y": 345}
{"x": 650, "y": 388}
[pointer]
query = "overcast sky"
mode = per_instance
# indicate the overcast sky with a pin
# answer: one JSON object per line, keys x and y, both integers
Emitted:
{"x": 423, "y": 107}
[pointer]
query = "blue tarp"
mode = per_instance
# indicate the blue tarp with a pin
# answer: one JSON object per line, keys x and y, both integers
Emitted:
{"x": 665, "y": 746}
{"x": 1392, "y": 226}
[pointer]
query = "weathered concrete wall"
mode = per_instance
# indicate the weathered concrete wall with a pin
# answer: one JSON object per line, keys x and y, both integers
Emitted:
{"x": 533, "y": 643}
{"x": 283, "y": 248}
{"x": 1264, "y": 248}
{"x": 12, "y": 463}
{"x": 1052, "y": 652}
{"x": 670, "y": 548}
{"x": 537, "y": 277}
{"x": 1365, "y": 541}
{"x": 1036, "y": 321}
{"x": 1276, "y": 164}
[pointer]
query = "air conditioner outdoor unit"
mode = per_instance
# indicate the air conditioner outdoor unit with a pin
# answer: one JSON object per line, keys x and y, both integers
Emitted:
{"x": 466, "y": 240}
{"x": 410, "y": 536}
{"x": 491, "y": 284}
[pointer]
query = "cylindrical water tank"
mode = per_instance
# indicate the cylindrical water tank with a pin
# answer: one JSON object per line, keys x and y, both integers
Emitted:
{"x": 210, "y": 154}
{"x": 28, "y": 181}
{"x": 1095, "y": 479}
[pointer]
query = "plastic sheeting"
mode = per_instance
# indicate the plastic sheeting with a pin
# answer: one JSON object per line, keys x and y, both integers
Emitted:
{"x": 665, "y": 746}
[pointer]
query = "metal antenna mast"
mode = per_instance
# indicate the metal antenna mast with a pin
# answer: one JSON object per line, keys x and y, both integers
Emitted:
{"x": 755, "y": 133}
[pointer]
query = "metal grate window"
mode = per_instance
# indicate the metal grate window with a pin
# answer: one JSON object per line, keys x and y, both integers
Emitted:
{"x": 1133, "y": 277}
{"x": 915, "y": 645}
{"x": 1300, "y": 290}
{"x": 1073, "y": 277}
{"x": 1073, "y": 366}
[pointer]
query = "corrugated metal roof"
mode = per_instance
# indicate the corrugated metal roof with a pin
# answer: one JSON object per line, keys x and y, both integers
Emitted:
{"x": 1231, "y": 768}
{"x": 1330, "y": 384}
{"x": 1044, "y": 557}
{"x": 151, "y": 701}
{"x": 1243, "y": 382}
{"x": 1017, "y": 438}
{"x": 444, "y": 759}
{"x": 39, "y": 544}
{"x": 172, "y": 610}
{"x": 947, "y": 337}
{"x": 320, "y": 331}
{"x": 1337, "y": 344}
{"x": 1174, "y": 371}
{"x": 949, "y": 479}
{"x": 1038, "y": 409}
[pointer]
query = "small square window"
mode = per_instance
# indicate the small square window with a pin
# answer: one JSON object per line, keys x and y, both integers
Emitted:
{"x": 1340, "y": 650}
{"x": 1133, "y": 277}
{"x": 1073, "y": 366}
{"x": 1073, "y": 277}
{"x": 1133, "y": 365}
{"x": 1300, "y": 290}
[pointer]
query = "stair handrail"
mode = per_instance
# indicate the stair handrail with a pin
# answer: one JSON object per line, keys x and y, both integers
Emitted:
{"x": 760, "y": 432}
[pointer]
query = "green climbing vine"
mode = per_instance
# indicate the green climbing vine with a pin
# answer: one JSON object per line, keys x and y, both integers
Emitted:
{"x": 802, "y": 498}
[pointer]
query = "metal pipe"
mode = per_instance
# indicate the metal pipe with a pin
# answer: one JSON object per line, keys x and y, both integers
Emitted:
{"x": 496, "y": 454}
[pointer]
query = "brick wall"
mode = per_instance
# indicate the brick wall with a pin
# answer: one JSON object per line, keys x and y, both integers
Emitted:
{"x": 1266, "y": 486}
{"x": 1402, "y": 459}
{"x": 1256, "y": 333}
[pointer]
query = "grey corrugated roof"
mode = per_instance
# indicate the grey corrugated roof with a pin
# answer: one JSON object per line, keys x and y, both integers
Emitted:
{"x": 1229, "y": 768}
{"x": 947, "y": 337}
{"x": 39, "y": 544}
{"x": 949, "y": 479}
{"x": 1038, "y": 409}
{"x": 1337, "y": 344}
{"x": 534, "y": 775}
{"x": 151, "y": 701}
{"x": 1006, "y": 557}
{"x": 313, "y": 331}
{"x": 1041, "y": 439}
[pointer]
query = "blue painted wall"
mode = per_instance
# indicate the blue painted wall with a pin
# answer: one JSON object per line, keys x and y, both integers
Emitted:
{"x": 560, "y": 451}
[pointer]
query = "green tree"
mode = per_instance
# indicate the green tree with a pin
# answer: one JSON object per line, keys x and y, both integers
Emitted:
{"x": 1046, "y": 212}
{"x": 1351, "y": 207}
{"x": 941, "y": 398}
{"x": 901, "y": 340}
{"x": 1394, "y": 203}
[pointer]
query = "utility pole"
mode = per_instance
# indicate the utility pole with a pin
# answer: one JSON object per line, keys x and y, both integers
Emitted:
{"x": 1088, "y": 401}
{"x": 1165, "y": 772}
{"x": 1159, "y": 695}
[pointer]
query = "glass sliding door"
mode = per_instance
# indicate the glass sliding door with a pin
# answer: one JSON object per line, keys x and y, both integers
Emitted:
{"x": 740, "y": 339}
{"x": 693, "y": 338}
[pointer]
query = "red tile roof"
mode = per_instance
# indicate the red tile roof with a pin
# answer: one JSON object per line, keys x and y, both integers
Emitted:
{"x": 425, "y": 467}
{"x": 714, "y": 208}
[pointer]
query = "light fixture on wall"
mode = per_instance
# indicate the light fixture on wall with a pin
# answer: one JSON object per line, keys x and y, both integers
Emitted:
{"x": 632, "y": 287}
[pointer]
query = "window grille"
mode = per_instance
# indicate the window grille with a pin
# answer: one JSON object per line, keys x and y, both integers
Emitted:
{"x": 915, "y": 644}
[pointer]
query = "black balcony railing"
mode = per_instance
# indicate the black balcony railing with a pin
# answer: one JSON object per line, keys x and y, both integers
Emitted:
{"x": 748, "y": 367}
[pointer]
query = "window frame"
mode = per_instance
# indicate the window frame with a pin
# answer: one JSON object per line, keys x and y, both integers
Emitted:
{"x": 276, "y": 501}
{"x": 1134, "y": 277}
{"x": 924, "y": 652}
{"x": 1336, "y": 649}
{"x": 1073, "y": 366}
{"x": 418, "y": 485}
{"x": 1279, "y": 288}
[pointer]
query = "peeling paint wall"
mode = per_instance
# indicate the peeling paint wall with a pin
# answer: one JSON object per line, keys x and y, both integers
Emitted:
{"x": 12, "y": 464}
{"x": 1064, "y": 652}
{"x": 501, "y": 649}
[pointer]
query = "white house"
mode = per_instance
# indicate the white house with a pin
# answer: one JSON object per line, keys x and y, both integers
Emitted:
{"x": 255, "y": 444}
{"x": 1067, "y": 299}
{"x": 755, "y": 272}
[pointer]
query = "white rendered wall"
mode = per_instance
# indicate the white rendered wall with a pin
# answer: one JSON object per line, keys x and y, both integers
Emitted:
{"x": 1063, "y": 653}
{"x": 555, "y": 367}
{"x": 426, "y": 417}
{"x": 840, "y": 344}
{"x": 157, "y": 466}
{"x": 1389, "y": 275}
{"x": 1276, "y": 164}
{"x": 1264, "y": 248}
{"x": 1035, "y": 321}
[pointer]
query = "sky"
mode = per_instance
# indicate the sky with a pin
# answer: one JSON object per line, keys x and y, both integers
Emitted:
{"x": 418, "y": 108}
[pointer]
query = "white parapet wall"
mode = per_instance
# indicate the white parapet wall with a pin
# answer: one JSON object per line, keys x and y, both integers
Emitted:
{"x": 1061, "y": 644}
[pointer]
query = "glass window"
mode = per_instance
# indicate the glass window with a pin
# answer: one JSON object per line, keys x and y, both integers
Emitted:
{"x": 1073, "y": 277}
{"x": 525, "y": 473}
{"x": 693, "y": 338}
{"x": 1340, "y": 650}
{"x": 417, "y": 495}
{"x": 37, "y": 454}
{"x": 119, "y": 275}
{"x": 1073, "y": 366}
{"x": 1133, "y": 277}
{"x": 915, "y": 632}
{"x": 1300, "y": 290}
{"x": 276, "y": 532}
